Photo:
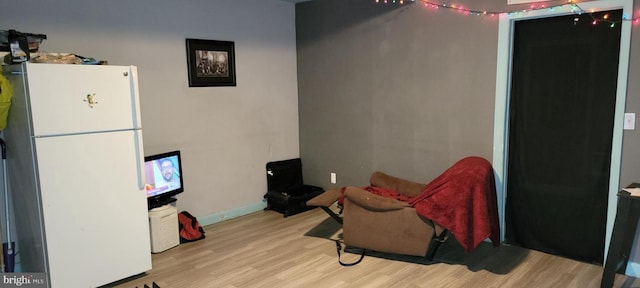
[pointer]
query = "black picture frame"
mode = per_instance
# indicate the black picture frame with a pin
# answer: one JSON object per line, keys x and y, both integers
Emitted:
{"x": 211, "y": 63}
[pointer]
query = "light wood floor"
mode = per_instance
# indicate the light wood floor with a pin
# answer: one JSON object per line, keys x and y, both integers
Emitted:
{"x": 264, "y": 249}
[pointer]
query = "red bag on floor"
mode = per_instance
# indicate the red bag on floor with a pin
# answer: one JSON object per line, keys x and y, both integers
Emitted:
{"x": 190, "y": 229}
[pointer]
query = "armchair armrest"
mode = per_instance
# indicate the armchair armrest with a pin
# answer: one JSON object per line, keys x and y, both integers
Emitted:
{"x": 372, "y": 201}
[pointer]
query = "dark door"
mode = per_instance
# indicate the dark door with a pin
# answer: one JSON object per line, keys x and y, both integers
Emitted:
{"x": 562, "y": 101}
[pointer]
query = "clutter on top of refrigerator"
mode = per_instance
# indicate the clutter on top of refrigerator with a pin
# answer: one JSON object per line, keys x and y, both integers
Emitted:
{"x": 19, "y": 44}
{"x": 33, "y": 40}
{"x": 23, "y": 47}
{"x": 65, "y": 58}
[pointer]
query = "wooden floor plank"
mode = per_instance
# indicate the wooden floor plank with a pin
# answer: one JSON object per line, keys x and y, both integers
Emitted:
{"x": 264, "y": 249}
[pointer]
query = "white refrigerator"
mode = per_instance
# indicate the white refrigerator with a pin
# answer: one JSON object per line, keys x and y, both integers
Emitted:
{"x": 75, "y": 164}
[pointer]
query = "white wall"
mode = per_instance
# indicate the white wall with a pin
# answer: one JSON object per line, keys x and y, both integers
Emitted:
{"x": 226, "y": 134}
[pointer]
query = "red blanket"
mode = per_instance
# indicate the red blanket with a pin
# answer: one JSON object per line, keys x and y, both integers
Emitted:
{"x": 462, "y": 200}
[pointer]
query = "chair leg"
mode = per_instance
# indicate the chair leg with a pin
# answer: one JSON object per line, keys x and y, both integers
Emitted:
{"x": 332, "y": 214}
{"x": 435, "y": 244}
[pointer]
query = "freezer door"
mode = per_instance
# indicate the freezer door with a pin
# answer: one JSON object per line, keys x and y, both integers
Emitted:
{"x": 70, "y": 99}
{"x": 95, "y": 216}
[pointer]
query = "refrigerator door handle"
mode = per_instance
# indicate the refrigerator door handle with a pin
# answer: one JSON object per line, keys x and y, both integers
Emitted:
{"x": 137, "y": 139}
{"x": 135, "y": 98}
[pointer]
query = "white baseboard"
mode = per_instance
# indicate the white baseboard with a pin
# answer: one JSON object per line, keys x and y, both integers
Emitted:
{"x": 233, "y": 213}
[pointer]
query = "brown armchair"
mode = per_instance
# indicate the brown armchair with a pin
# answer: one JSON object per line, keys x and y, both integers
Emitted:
{"x": 394, "y": 215}
{"x": 384, "y": 224}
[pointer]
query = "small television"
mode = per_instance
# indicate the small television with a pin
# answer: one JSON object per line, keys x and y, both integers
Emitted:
{"x": 164, "y": 178}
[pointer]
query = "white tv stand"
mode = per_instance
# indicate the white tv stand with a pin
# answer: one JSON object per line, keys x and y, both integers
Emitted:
{"x": 163, "y": 227}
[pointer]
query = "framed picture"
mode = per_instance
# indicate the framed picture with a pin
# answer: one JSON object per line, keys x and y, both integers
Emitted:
{"x": 211, "y": 63}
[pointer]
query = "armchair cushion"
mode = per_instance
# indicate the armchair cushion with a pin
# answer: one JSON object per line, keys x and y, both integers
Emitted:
{"x": 325, "y": 199}
{"x": 402, "y": 186}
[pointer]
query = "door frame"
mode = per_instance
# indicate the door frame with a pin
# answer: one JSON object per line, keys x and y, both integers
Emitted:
{"x": 503, "y": 87}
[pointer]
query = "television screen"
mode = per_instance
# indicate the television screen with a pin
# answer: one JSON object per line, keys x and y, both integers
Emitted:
{"x": 164, "y": 177}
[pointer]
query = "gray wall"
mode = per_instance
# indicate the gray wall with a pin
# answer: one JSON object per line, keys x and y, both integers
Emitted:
{"x": 397, "y": 88}
{"x": 631, "y": 143}
{"x": 630, "y": 168}
{"x": 226, "y": 134}
{"x": 407, "y": 89}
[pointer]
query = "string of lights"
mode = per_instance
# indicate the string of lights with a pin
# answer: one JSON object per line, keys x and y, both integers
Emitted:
{"x": 574, "y": 7}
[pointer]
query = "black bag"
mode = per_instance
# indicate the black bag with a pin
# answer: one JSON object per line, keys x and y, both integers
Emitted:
{"x": 190, "y": 229}
{"x": 286, "y": 191}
